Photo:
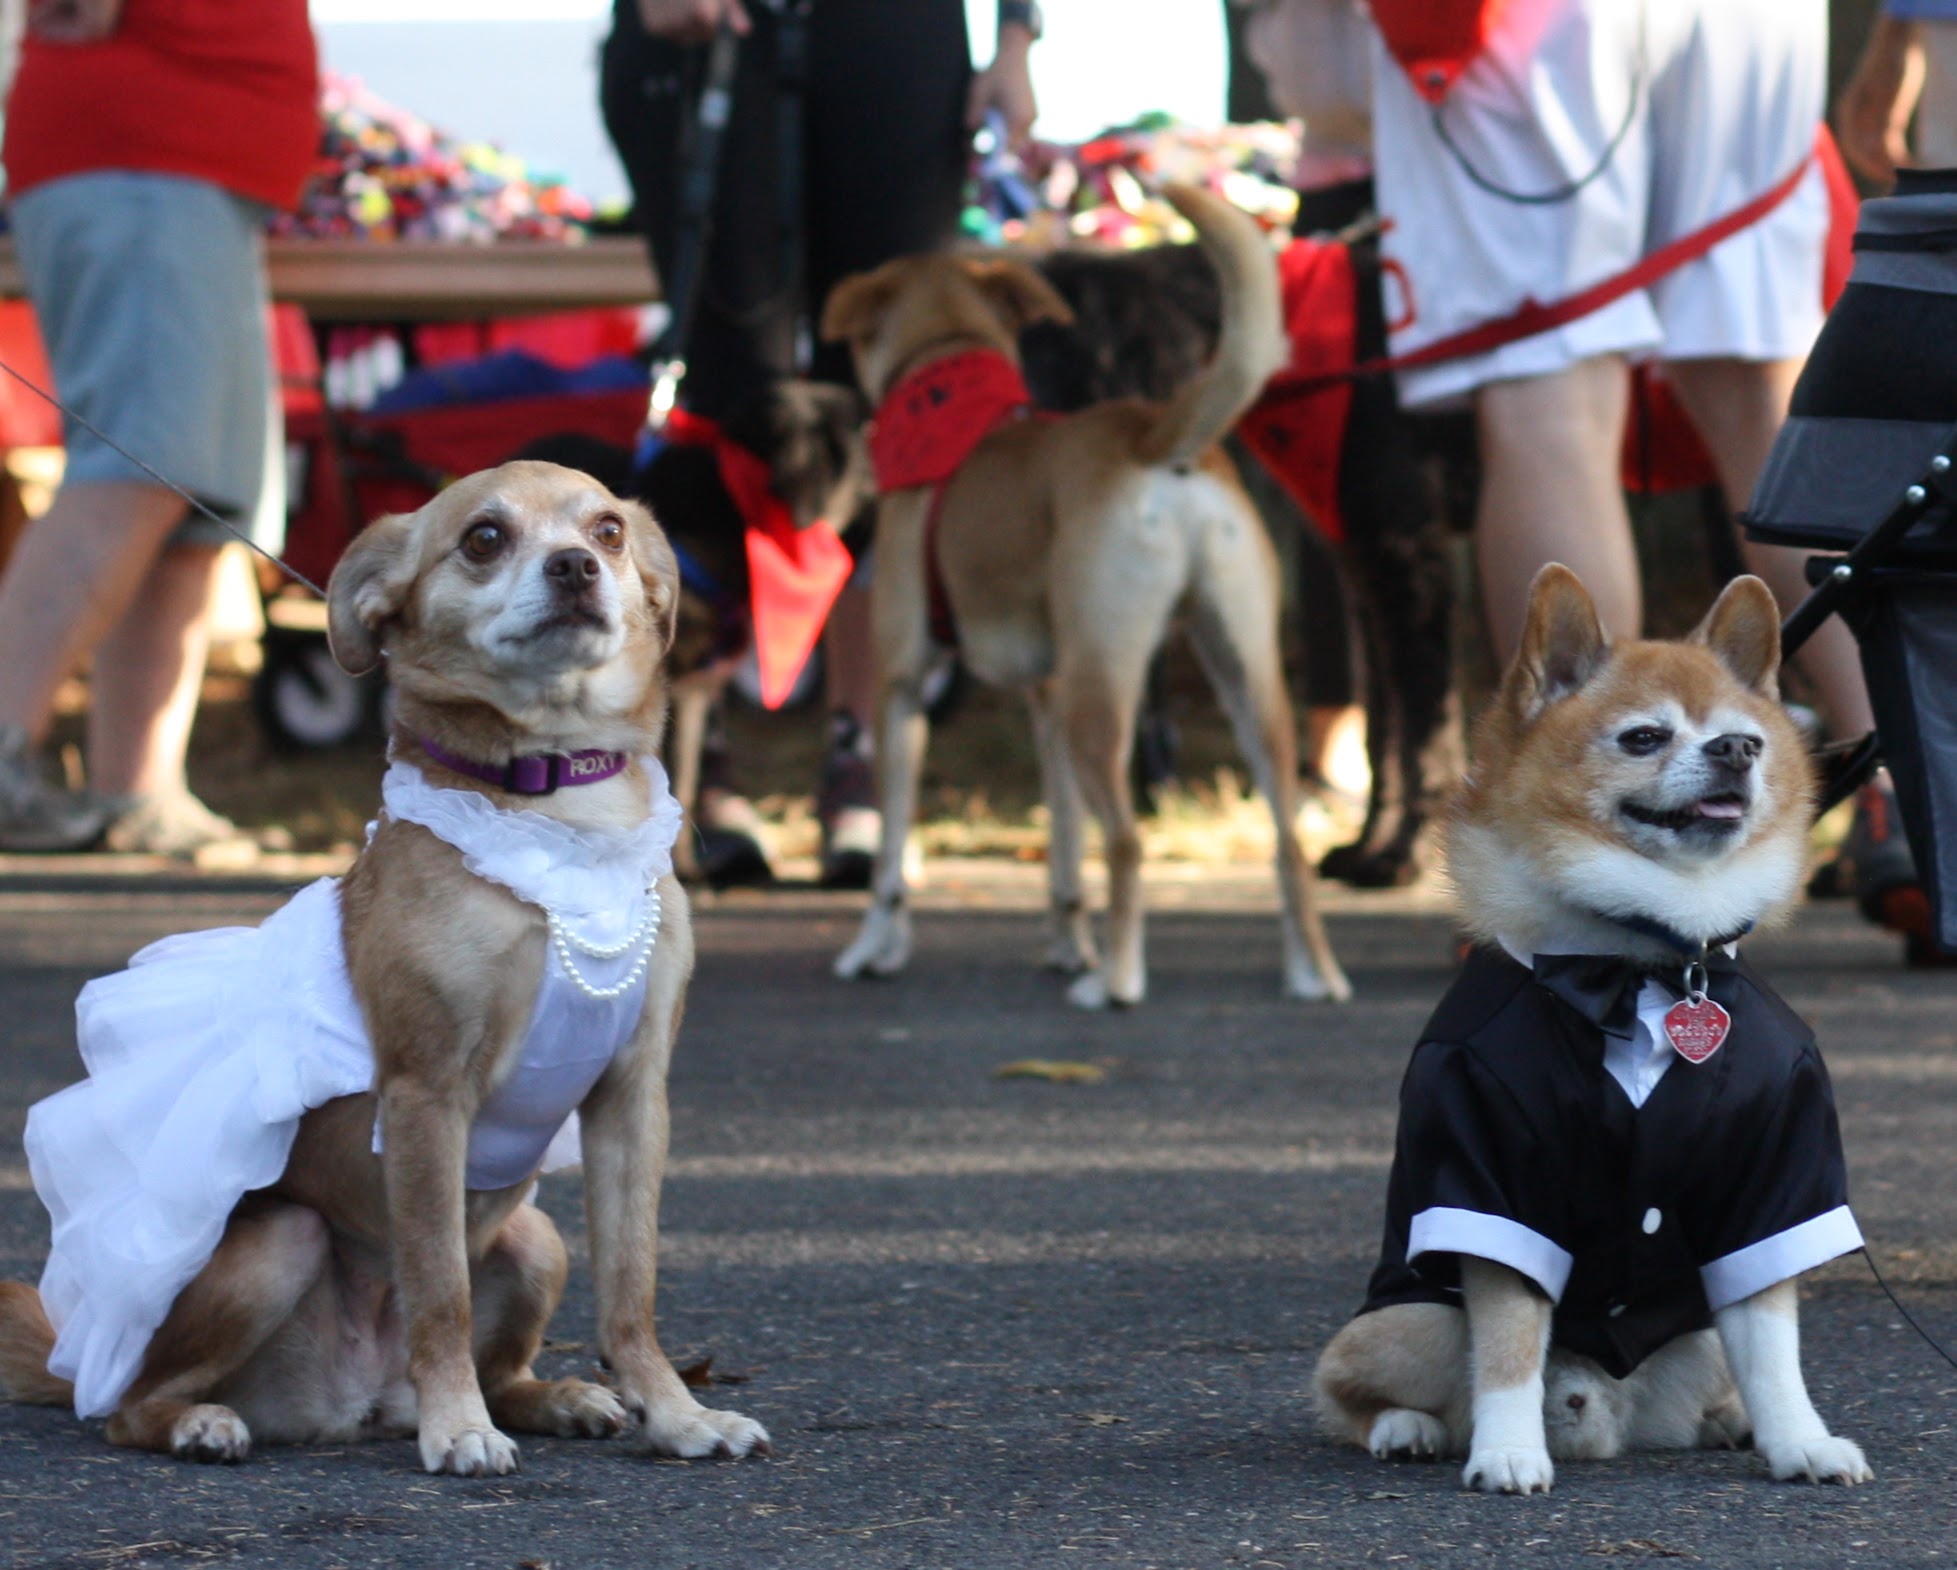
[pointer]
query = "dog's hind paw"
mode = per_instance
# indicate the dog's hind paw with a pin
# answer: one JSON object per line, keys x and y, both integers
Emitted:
{"x": 702, "y": 1431}
{"x": 566, "y": 1408}
{"x": 208, "y": 1432}
{"x": 1305, "y": 983}
{"x": 1402, "y": 1434}
{"x": 473, "y": 1452}
{"x": 1509, "y": 1471}
{"x": 1823, "y": 1460}
{"x": 882, "y": 948}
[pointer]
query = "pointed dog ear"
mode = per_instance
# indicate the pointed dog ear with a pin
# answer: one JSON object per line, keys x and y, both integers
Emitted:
{"x": 368, "y": 589}
{"x": 659, "y": 570}
{"x": 1019, "y": 293}
{"x": 857, "y": 304}
{"x": 1743, "y": 629}
{"x": 1563, "y": 644}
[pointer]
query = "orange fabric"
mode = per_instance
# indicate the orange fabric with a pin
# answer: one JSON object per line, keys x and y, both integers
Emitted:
{"x": 1298, "y": 438}
{"x": 225, "y": 91}
{"x": 794, "y": 575}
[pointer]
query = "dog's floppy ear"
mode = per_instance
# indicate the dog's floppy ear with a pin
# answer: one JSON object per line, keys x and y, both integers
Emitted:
{"x": 1743, "y": 629}
{"x": 1563, "y": 645}
{"x": 1019, "y": 293}
{"x": 368, "y": 589}
{"x": 857, "y": 304}
{"x": 659, "y": 570}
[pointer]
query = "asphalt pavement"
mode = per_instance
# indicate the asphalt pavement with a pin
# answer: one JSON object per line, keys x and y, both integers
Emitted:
{"x": 1006, "y": 1322}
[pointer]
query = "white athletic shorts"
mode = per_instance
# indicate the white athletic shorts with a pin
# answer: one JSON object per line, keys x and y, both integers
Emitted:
{"x": 1668, "y": 114}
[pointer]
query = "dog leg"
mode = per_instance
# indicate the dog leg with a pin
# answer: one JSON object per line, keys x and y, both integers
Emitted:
{"x": 268, "y": 1260}
{"x": 693, "y": 697}
{"x": 1097, "y": 713}
{"x": 883, "y": 944}
{"x": 424, "y": 1151}
{"x": 1071, "y": 947}
{"x": 1762, "y": 1337}
{"x": 1508, "y": 1339}
{"x": 1395, "y": 1382}
{"x": 519, "y": 1283}
{"x": 626, "y": 1124}
{"x": 1234, "y": 630}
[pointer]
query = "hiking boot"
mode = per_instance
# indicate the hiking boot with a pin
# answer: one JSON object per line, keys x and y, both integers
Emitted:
{"x": 37, "y": 816}
{"x": 846, "y": 807}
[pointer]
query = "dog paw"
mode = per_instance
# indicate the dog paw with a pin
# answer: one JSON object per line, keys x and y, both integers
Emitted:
{"x": 1725, "y": 1427}
{"x": 1089, "y": 990}
{"x": 1509, "y": 1471}
{"x": 565, "y": 1408}
{"x": 882, "y": 948}
{"x": 212, "y": 1433}
{"x": 701, "y": 1431}
{"x": 1305, "y": 983}
{"x": 471, "y": 1452}
{"x": 1823, "y": 1460}
{"x": 1402, "y": 1434}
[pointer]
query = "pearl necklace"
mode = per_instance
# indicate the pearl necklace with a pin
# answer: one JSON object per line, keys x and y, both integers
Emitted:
{"x": 564, "y": 940}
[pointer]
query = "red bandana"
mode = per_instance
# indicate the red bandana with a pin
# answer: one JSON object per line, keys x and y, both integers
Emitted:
{"x": 794, "y": 575}
{"x": 928, "y": 424}
{"x": 1298, "y": 438}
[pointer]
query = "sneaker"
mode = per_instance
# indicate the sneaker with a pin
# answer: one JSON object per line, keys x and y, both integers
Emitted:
{"x": 728, "y": 851}
{"x": 1876, "y": 864}
{"x": 36, "y": 816}
{"x": 176, "y": 823}
{"x": 846, "y": 807}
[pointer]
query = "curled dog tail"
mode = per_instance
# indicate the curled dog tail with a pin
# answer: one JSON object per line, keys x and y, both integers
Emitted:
{"x": 26, "y": 1339}
{"x": 1251, "y": 346}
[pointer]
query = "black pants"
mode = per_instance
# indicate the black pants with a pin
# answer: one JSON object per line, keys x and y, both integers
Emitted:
{"x": 884, "y": 152}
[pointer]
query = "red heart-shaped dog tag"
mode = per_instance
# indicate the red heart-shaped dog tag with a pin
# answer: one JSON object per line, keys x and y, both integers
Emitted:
{"x": 1697, "y": 1029}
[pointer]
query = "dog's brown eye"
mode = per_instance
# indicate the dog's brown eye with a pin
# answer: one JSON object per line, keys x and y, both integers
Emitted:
{"x": 609, "y": 532}
{"x": 482, "y": 541}
{"x": 1643, "y": 740}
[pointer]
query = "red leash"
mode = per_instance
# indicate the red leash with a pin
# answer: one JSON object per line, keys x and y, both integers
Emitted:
{"x": 1532, "y": 317}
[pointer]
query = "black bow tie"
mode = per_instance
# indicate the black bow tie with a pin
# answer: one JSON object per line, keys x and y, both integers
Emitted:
{"x": 1604, "y": 988}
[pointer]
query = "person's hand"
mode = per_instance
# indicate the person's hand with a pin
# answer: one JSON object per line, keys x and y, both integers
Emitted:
{"x": 1872, "y": 115}
{"x": 1007, "y": 86}
{"x": 692, "y": 21}
{"x": 72, "y": 21}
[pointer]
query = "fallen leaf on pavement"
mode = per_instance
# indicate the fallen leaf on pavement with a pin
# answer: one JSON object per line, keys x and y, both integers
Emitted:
{"x": 1054, "y": 1069}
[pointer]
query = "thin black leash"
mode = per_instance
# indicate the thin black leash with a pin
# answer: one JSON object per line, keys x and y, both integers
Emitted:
{"x": 168, "y": 484}
{"x": 1909, "y": 1318}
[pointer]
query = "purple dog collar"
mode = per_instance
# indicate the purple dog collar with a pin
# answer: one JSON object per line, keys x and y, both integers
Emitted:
{"x": 536, "y": 773}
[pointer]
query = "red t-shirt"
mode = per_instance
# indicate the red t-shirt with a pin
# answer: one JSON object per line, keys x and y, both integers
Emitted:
{"x": 220, "y": 90}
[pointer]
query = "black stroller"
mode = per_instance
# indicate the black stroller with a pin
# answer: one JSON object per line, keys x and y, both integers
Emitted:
{"x": 1870, "y": 437}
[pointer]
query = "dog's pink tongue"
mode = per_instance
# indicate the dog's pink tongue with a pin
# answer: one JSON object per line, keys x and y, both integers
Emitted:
{"x": 1721, "y": 809}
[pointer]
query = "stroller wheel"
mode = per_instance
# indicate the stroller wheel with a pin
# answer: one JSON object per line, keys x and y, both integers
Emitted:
{"x": 305, "y": 701}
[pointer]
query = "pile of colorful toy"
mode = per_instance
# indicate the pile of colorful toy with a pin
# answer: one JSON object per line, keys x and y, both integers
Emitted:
{"x": 386, "y": 174}
{"x": 1106, "y": 189}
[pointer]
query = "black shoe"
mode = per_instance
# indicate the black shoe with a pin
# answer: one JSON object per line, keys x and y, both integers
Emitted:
{"x": 846, "y": 807}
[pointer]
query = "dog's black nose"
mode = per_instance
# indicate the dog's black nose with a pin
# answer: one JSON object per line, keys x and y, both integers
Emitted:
{"x": 1734, "y": 751}
{"x": 573, "y": 570}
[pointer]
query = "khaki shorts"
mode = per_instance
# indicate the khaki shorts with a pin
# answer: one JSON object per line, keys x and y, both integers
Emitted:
{"x": 150, "y": 294}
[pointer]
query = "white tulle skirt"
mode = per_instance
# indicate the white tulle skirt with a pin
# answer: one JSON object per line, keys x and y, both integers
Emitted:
{"x": 201, "y": 1058}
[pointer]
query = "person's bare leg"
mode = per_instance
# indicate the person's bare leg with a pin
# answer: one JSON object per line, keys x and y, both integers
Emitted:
{"x": 73, "y": 576}
{"x": 1550, "y": 491}
{"x": 849, "y": 656}
{"x": 1738, "y": 407}
{"x": 147, "y": 675}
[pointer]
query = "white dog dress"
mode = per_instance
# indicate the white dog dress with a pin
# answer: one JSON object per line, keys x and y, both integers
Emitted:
{"x": 203, "y": 1055}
